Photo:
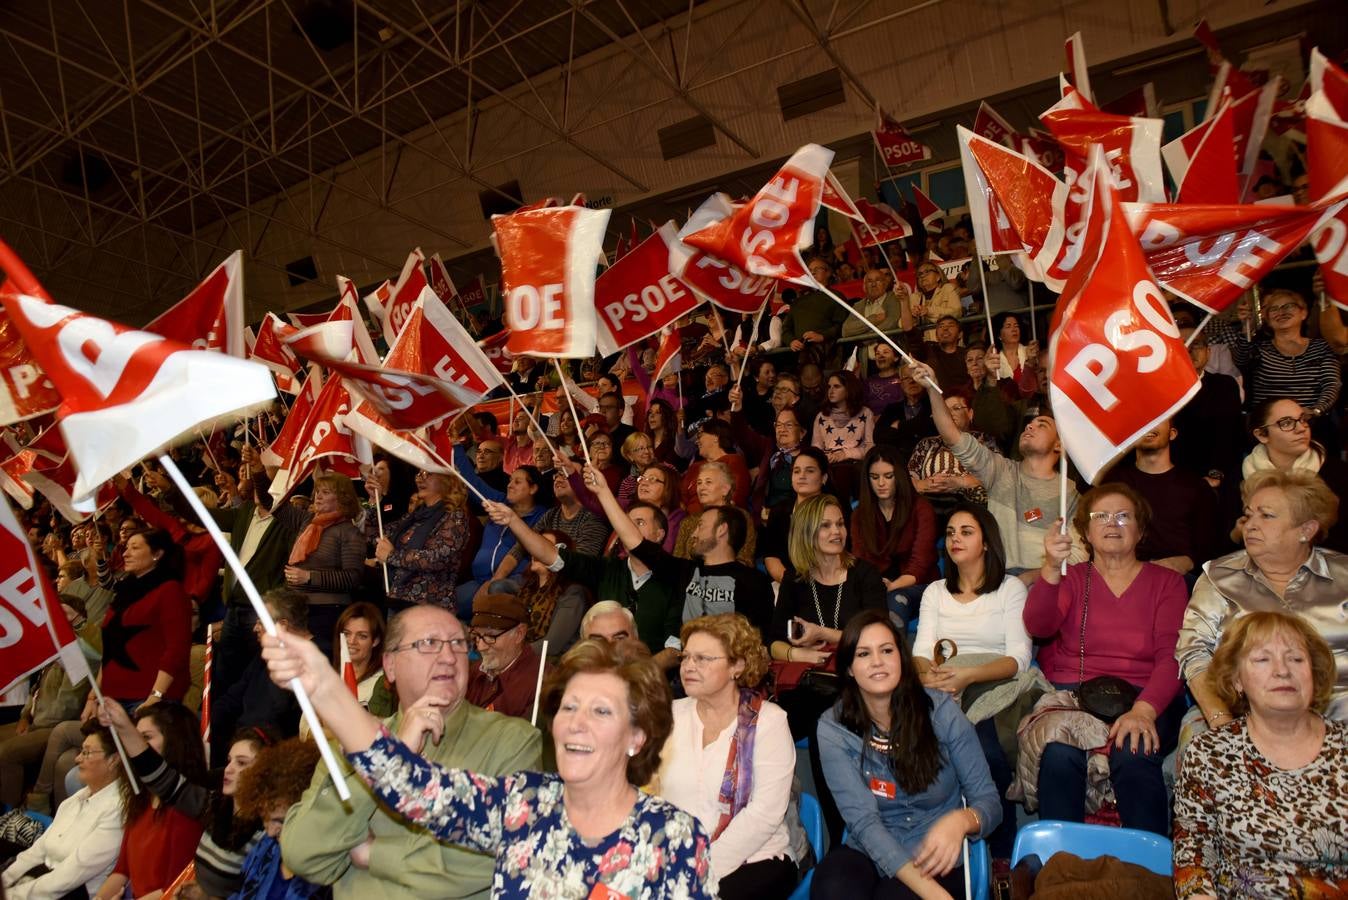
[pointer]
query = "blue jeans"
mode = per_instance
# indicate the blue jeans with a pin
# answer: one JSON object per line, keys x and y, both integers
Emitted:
{"x": 1139, "y": 784}
{"x": 905, "y": 602}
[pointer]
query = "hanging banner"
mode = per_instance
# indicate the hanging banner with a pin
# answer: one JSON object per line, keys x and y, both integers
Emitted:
{"x": 638, "y": 295}
{"x": 897, "y": 147}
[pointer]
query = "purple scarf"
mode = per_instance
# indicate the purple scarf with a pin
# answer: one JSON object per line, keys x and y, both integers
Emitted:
{"x": 738, "y": 781}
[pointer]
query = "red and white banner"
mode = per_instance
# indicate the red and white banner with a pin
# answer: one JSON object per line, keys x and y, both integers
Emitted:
{"x": 279, "y": 450}
{"x": 1077, "y": 70}
{"x": 307, "y": 320}
{"x": 927, "y": 210}
{"x": 211, "y": 317}
{"x": 125, "y": 394}
{"x": 883, "y": 224}
{"x": 669, "y": 356}
{"x": 323, "y": 436}
{"x": 409, "y": 446}
{"x": 1117, "y": 362}
{"x": 494, "y": 348}
{"x": 1202, "y": 161}
{"x": 12, "y": 481}
{"x": 1250, "y": 116}
{"x": 1041, "y": 147}
{"x": 638, "y": 295}
{"x": 1327, "y": 166}
{"x": 348, "y": 310}
{"x": 51, "y": 472}
{"x": 989, "y": 124}
{"x": 269, "y": 350}
{"x": 1331, "y": 80}
{"x": 716, "y": 280}
{"x": 1132, "y": 149}
{"x": 435, "y": 343}
{"x": 766, "y": 235}
{"x": 897, "y": 147}
{"x": 25, "y": 391}
{"x": 377, "y": 301}
{"x": 548, "y": 259}
{"x": 404, "y": 294}
{"x": 1212, "y": 254}
{"x": 1017, "y": 206}
{"x": 33, "y": 629}
{"x": 835, "y": 198}
{"x": 1140, "y": 102}
{"x": 440, "y": 281}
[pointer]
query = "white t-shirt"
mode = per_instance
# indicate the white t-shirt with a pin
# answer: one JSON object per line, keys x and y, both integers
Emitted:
{"x": 991, "y": 623}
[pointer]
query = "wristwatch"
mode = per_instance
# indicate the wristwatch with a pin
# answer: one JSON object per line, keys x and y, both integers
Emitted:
{"x": 157, "y": 694}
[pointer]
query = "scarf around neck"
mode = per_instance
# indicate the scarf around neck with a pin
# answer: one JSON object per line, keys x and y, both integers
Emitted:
{"x": 312, "y": 535}
{"x": 738, "y": 782}
{"x": 1258, "y": 461}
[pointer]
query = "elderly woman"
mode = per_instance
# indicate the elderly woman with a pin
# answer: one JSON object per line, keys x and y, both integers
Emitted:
{"x": 905, "y": 770}
{"x": 1111, "y": 617}
{"x": 585, "y": 831}
{"x": 1259, "y": 809}
{"x": 716, "y": 485}
{"x": 77, "y": 851}
{"x": 147, "y": 635}
{"x": 1282, "y": 428}
{"x": 423, "y": 550}
{"x": 327, "y": 561}
{"x": 934, "y": 297}
{"x": 159, "y": 840}
{"x": 639, "y": 451}
{"x": 1281, "y": 568}
{"x": 729, "y": 760}
{"x": 716, "y": 444}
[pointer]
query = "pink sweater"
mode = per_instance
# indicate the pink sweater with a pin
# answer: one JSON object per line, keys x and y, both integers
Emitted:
{"x": 1131, "y": 637}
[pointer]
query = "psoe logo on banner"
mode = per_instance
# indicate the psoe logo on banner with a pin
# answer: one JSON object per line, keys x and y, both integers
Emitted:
{"x": 1096, "y": 366}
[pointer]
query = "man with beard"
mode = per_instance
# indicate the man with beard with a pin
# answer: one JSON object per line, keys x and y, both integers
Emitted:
{"x": 505, "y": 677}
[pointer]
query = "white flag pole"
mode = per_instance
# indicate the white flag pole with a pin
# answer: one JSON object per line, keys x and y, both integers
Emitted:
{"x": 1062, "y": 497}
{"x": 1199, "y": 330}
{"x": 264, "y": 617}
{"x": 873, "y": 327}
{"x": 538, "y": 687}
{"x": 753, "y": 336}
{"x": 533, "y": 421}
{"x": 1034, "y": 327}
{"x": 379, "y": 520}
{"x": 987, "y": 307}
{"x": 580, "y": 432}
{"x": 116, "y": 740}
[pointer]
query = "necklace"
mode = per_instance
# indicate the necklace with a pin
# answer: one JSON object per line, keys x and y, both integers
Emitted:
{"x": 837, "y": 602}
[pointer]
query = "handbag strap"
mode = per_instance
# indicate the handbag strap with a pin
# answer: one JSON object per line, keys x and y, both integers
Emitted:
{"x": 1081, "y": 645}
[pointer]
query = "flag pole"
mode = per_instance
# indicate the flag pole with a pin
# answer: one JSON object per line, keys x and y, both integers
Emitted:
{"x": 987, "y": 307}
{"x": 1062, "y": 497}
{"x": 580, "y": 432}
{"x": 206, "y": 691}
{"x": 264, "y": 617}
{"x": 753, "y": 336}
{"x": 1034, "y": 327}
{"x": 466, "y": 483}
{"x": 533, "y": 421}
{"x": 538, "y": 687}
{"x": 1201, "y": 325}
{"x": 379, "y": 520}
{"x": 873, "y": 327}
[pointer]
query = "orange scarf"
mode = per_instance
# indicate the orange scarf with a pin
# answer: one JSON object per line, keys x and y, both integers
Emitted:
{"x": 312, "y": 534}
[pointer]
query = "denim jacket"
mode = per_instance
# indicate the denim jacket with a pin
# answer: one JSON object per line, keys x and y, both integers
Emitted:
{"x": 890, "y": 831}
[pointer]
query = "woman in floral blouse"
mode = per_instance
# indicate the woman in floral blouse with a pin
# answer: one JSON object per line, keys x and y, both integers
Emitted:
{"x": 585, "y": 832}
{"x": 424, "y": 549}
{"x": 1260, "y": 805}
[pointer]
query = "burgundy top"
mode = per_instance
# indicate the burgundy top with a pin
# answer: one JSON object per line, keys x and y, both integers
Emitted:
{"x": 916, "y": 551}
{"x": 1132, "y": 637}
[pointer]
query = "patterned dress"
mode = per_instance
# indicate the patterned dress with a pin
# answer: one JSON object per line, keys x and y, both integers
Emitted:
{"x": 1246, "y": 828}
{"x": 659, "y": 852}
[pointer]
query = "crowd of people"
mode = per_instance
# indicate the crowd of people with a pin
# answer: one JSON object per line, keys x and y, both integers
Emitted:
{"x": 643, "y": 617}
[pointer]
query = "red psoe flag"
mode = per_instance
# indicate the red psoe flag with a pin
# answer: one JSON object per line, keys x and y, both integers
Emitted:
{"x": 211, "y": 317}
{"x": 1327, "y": 162}
{"x": 547, "y": 278}
{"x": 765, "y": 235}
{"x": 835, "y": 198}
{"x": 638, "y": 295}
{"x": 292, "y": 429}
{"x": 1211, "y": 254}
{"x": 126, "y": 394}
{"x": 494, "y": 348}
{"x": 1132, "y": 149}
{"x": 435, "y": 343}
{"x": 669, "y": 356}
{"x": 1077, "y": 70}
{"x": 377, "y": 301}
{"x": 897, "y": 147}
{"x": 1117, "y": 362}
{"x": 33, "y": 629}
{"x": 1203, "y": 160}
{"x": 1332, "y": 80}
{"x": 324, "y": 435}
{"x": 404, "y": 294}
{"x": 348, "y": 310}
{"x": 25, "y": 390}
{"x": 883, "y": 224}
{"x": 988, "y": 123}
{"x": 275, "y": 355}
{"x": 927, "y": 210}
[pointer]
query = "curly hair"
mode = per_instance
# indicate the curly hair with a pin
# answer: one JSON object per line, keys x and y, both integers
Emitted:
{"x": 183, "y": 750}
{"x": 740, "y": 640}
{"x": 280, "y": 775}
{"x": 649, "y": 702}
{"x": 1254, "y": 628}
{"x": 1308, "y": 498}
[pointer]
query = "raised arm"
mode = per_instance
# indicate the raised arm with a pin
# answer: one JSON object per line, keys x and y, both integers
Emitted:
{"x": 622, "y": 525}
{"x": 940, "y": 416}
{"x": 537, "y": 546}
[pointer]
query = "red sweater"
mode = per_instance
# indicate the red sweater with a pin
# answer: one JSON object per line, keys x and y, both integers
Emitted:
{"x": 738, "y": 468}
{"x": 915, "y": 553}
{"x": 152, "y": 634}
{"x": 1132, "y": 637}
{"x": 156, "y": 847}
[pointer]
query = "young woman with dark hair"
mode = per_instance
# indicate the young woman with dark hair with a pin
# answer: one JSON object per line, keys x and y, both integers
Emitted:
{"x": 979, "y": 608}
{"x": 901, "y": 762}
{"x": 844, "y": 429}
{"x": 894, "y": 528}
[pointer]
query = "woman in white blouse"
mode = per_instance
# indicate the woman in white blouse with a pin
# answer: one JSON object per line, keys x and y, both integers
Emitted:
{"x": 730, "y": 758}
{"x": 80, "y": 848}
{"x": 976, "y": 613}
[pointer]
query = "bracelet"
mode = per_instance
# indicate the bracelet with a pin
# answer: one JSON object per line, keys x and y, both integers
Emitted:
{"x": 788, "y": 654}
{"x": 978, "y": 822}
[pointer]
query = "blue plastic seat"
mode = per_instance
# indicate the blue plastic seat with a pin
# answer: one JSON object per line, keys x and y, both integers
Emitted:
{"x": 980, "y": 870}
{"x": 1090, "y": 841}
{"x": 812, "y": 819}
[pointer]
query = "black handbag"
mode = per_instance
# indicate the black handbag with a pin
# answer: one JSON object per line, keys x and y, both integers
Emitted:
{"x": 1106, "y": 696}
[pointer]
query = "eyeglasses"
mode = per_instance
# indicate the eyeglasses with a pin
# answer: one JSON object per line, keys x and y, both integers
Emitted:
{"x": 1120, "y": 518}
{"x": 651, "y": 479}
{"x": 957, "y": 408}
{"x": 698, "y": 660}
{"x": 486, "y": 637}
{"x": 431, "y": 646}
{"x": 1282, "y": 307}
{"x": 785, "y": 392}
{"x": 86, "y": 753}
{"x": 1289, "y": 423}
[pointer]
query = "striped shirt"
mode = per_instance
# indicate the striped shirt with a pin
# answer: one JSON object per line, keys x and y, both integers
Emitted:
{"x": 1311, "y": 378}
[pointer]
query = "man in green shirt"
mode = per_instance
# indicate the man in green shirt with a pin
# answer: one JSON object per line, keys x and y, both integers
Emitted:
{"x": 357, "y": 847}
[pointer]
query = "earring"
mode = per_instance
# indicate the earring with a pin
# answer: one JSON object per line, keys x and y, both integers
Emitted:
{"x": 1302, "y": 539}
{"x": 631, "y": 751}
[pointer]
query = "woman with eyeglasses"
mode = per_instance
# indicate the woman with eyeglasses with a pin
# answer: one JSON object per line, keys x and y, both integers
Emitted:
{"x": 639, "y": 452}
{"x": 1283, "y": 567}
{"x": 730, "y": 759}
{"x": 934, "y": 297}
{"x": 1113, "y": 617}
{"x": 76, "y": 852}
{"x": 1282, "y": 428}
{"x": 1281, "y": 359}
{"x": 658, "y": 485}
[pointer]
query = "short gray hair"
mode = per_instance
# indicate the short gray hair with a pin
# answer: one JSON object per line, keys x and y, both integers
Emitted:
{"x": 602, "y": 608}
